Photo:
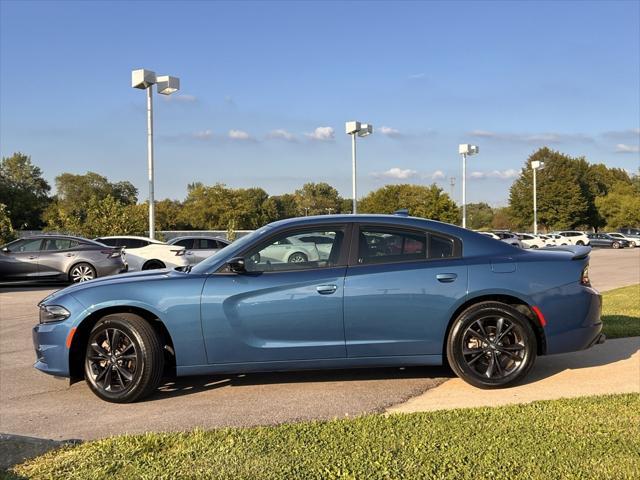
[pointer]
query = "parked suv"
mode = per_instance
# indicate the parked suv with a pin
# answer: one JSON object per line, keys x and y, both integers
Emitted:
{"x": 58, "y": 258}
{"x": 575, "y": 237}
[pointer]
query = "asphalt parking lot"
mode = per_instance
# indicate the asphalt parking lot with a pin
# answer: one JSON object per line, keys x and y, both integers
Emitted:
{"x": 38, "y": 405}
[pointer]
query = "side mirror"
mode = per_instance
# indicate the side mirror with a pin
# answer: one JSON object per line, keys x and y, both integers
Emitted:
{"x": 237, "y": 265}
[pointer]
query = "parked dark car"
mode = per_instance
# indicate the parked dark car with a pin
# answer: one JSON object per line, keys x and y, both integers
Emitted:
{"x": 58, "y": 258}
{"x": 509, "y": 238}
{"x": 606, "y": 240}
{"x": 392, "y": 291}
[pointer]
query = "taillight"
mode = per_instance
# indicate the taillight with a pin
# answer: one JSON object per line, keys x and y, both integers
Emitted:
{"x": 111, "y": 253}
{"x": 584, "y": 279}
{"x": 179, "y": 253}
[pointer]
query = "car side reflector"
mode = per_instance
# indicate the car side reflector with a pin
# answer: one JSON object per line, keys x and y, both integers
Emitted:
{"x": 70, "y": 337}
{"x": 540, "y": 316}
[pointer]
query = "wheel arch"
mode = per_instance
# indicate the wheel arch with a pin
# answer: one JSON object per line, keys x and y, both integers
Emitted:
{"x": 153, "y": 260}
{"x": 75, "y": 264}
{"x": 81, "y": 335}
{"x": 509, "y": 299}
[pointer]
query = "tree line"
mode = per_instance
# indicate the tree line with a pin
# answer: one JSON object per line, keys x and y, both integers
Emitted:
{"x": 572, "y": 193}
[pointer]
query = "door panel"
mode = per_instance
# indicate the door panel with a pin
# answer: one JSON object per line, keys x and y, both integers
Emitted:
{"x": 21, "y": 261}
{"x": 401, "y": 309}
{"x": 274, "y": 316}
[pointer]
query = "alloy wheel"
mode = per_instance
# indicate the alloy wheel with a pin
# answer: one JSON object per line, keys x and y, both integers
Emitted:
{"x": 297, "y": 258}
{"x": 113, "y": 360}
{"x": 82, "y": 273}
{"x": 494, "y": 347}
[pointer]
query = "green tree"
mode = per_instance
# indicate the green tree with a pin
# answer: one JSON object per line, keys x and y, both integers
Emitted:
{"x": 318, "y": 199}
{"x": 279, "y": 207}
{"x": 6, "y": 229}
{"x": 502, "y": 219}
{"x": 621, "y": 206}
{"x": 23, "y": 190}
{"x": 479, "y": 215}
{"x": 421, "y": 201}
{"x": 168, "y": 215}
{"x": 562, "y": 202}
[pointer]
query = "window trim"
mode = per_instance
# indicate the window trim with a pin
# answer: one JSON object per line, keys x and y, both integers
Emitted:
{"x": 355, "y": 243}
{"x": 345, "y": 248}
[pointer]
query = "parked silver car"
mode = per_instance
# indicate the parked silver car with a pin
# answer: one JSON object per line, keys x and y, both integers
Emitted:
{"x": 508, "y": 237}
{"x": 198, "y": 248}
{"x": 58, "y": 258}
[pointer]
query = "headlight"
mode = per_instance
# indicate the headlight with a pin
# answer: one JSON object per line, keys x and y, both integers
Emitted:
{"x": 53, "y": 313}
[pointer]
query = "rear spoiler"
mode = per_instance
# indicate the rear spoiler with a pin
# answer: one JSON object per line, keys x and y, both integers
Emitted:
{"x": 579, "y": 251}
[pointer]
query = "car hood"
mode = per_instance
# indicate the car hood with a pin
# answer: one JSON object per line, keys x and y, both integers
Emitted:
{"x": 123, "y": 278}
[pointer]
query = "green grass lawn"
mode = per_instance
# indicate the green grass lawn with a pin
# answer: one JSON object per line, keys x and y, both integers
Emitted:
{"x": 593, "y": 437}
{"x": 621, "y": 312}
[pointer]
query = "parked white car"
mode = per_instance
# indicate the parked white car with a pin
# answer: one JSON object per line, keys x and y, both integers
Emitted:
{"x": 289, "y": 250}
{"x": 529, "y": 240}
{"x": 488, "y": 234}
{"x": 199, "y": 247}
{"x": 633, "y": 242}
{"x": 143, "y": 253}
{"x": 323, "y": 243}
{"x": 575, "y": 237}
{"x": 556, "y": 239}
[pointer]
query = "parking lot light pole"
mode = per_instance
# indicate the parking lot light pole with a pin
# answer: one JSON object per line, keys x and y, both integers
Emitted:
{"x": 535, "y": 165}
{"x": 361, "y": 130}
{"x": 166, "y": 85}
{"x": 465, "y": 149}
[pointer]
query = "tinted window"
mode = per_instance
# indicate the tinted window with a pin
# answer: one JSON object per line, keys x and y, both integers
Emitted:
{"x": 440, "y": 247}
{"x": 59, "y": 244}
{"x": 287, "y": 252}
{"x": 205, "y": 244}
{"x": 379, "y": 245}
{"x": 221, "y": 244}
{"x": 186, "y": 243}
{"x": 111, "y": 242}
{"x": 26, "y": 246}
{"x": 133, "y": 243}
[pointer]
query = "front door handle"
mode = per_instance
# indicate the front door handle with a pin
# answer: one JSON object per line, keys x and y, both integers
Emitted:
{"x": 326, "y": 289}
{"x": 446, "y": 277}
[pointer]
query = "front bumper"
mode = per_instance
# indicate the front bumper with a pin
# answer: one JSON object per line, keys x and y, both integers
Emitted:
{"x": 49, "y": 342}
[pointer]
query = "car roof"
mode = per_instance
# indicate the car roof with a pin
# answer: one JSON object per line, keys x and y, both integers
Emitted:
{"x": 64, "y": 237}
{"x": 190, "y": 237}
{"x": 133, "y": 237}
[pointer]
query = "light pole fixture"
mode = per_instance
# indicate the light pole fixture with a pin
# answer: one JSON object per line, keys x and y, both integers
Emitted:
{"x": 465, "y": 149}
{"x": 354, "y": 129}
{"x": 535, "y": 165}
{"x": 166, "y": 85}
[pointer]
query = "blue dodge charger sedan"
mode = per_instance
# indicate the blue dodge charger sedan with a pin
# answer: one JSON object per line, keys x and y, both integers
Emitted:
{"x": 335, "y": 291}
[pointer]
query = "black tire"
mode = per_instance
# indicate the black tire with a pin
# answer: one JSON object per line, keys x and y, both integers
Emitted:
{"x": 82, "y": 272}
{"x": 615, "y": 245}
{"x": 297, "y": 257}
{"x": 534, "y": 246}
{"x": 579, "y": 242}
{"x": 510, "y": 359}
{"x": 153, "y": 265}
{"x": 132, "y": 368}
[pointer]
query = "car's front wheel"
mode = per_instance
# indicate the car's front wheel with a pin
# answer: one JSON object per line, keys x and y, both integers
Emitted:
{"x": 491, "y": 345}
{"x": 615, "y": 245}
{"x": 297, "y": 257}
{"x": 124, "y": 359}
{"x": 579, "y": 242}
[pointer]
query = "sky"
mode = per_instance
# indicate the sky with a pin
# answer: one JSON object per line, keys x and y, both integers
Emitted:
{"x": 266, "y": 88}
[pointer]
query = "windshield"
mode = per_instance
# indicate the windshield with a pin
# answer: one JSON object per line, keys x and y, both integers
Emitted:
{"x": 230, "y": 251}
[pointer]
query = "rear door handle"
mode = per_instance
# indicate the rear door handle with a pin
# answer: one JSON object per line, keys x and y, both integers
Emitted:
{"x": 326, "y": 289}
{"x": 446, "y": 277}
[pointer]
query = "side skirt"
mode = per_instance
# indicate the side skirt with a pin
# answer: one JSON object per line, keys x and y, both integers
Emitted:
{"x": 321, "y": 364}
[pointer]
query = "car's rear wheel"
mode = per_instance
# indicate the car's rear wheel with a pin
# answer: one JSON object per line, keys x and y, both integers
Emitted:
{"x": 491, "y": 345}
{"x": 297, "y": 257}
{"x": 153, "y": 265}
{"x": 534, "y": 246}
{"x": 124, "y": 359}
{"x": 82, "y": 272}
{"x": 615, "y": 245}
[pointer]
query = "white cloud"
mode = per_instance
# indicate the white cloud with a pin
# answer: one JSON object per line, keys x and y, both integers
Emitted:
{"x": 390, "y": 132}
{"x": 239, "y": 135}
{"x": 417, "y": 76}
{"x": 203, "y": 135}
{"x": 533, "y": 138}
{"x": 499, "y": 174}
{"x": 282, "y": 135}
{"x": 437, "y": 175}
{"x": 622, "y": 134}
{"x": 397, "y": 173}
{"x": 624, "y": 148}
{"x": 323, "y": 134}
